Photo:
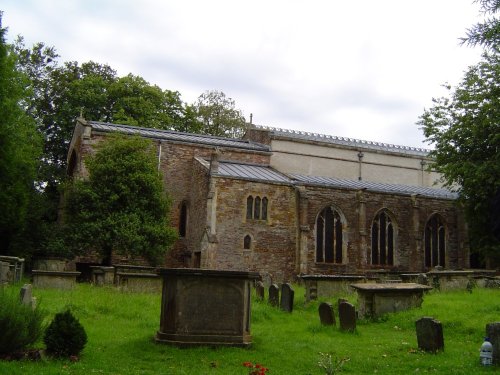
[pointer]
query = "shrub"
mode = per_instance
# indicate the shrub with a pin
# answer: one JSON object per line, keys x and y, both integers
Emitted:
{"x": 20, "y": 325}
{"x": 65, "y": 336}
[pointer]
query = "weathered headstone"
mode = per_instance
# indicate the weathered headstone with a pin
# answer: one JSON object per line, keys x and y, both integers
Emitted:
{"x": 4, "y": 272}
{"x": 429, "y": 334}
{"x": 274, "y": 295}
{"x": 266, "y": 279}
{"x": 259, "y": 290}
{"x": 493, "y": 332}
{"x": 26, "y": 294}
{"x": 347, "y": 316}
{"x": 326, "y": 314}
{"x": 287, "y": 295}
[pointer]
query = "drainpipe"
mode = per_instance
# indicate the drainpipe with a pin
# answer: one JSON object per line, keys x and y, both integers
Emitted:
{"x": 360, "y": 161}
{"x": 159, "y": 156}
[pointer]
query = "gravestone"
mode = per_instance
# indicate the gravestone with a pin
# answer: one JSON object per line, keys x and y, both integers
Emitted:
{"x": 493, "y": 332}
{"x": 26, "y": 294}
{"x": 4, "y": 272}
{"x": 429, "y": 334}
{"x": 259, "y": 290}
{"x": 274, "y": 295}
{"x": 287, "y": 294}
{"x": 347, "y": 316}
{"x": 326, "y": 314}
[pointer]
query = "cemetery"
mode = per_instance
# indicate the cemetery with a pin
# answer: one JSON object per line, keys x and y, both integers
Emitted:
{"x": 213, "y": 322}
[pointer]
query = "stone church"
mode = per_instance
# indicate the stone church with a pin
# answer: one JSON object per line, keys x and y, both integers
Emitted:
{"x": 286, "y": 203}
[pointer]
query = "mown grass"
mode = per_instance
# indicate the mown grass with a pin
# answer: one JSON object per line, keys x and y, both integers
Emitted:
{"x": 121, "y": 326}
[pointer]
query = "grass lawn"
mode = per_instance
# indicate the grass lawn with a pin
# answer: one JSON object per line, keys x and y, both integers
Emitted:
{"x": 121, "y": 326}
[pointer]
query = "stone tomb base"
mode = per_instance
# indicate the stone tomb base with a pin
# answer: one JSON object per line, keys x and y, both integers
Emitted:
{"x": 379, "y": 299}
{"x": 205, "y": 307}
{"x": 54, "y": 279}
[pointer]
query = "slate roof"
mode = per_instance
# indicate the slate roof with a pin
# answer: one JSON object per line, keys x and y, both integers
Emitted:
{"x": 252, "y": 172}
{"x": 179, "y": 136}
{"x": 351, "y": 142}
{"x": 267, "y": 174}
{"x": 373, "y": 186}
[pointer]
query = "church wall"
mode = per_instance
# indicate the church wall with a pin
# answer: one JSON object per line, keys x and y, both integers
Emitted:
{"x": 316, "y": 159}
{"x": 409, "y": 215}
{"x": 186, "y": 181}
{"x": 273, "y": 241}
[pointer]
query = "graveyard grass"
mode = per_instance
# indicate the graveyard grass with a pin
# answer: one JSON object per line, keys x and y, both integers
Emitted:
{"x": 121, "y": 326}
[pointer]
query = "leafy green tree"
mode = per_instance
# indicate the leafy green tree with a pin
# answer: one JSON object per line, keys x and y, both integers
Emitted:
{"x": 487, "y": 33}
{"x": 465, "y": 130}
{"x": 219, "y": 116}
{"x": 19, "y": 149}
{"x": 122, "y": 206}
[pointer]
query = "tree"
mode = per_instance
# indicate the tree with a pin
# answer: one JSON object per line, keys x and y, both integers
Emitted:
{"x": 218, "y": 115}
{"x": 465, "y": 130}
{"x": 122, "y": 207}
{"x": 486, "y": 34}
{"x": 19, "y": 149}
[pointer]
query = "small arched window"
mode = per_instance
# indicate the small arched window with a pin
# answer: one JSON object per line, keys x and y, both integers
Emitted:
{"x": 247, "y": 242}
{"x": 382, "y": 240}
{"x": 249, "y": 207}
{"x": 329, "y": 236}
{"x": 183, "y": 220}
{"x": 435, "y": 242}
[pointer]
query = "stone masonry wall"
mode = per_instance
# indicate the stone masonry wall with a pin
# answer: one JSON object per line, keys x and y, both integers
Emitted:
{"x": 409, "y": 215}
{"x": 274, "y": 241}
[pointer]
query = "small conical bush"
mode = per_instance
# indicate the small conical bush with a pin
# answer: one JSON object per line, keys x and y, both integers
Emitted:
{"x": 65, "y": 336}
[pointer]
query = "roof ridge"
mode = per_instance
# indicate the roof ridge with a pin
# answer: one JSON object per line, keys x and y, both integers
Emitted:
{"x": 173, "y": 131}
{"x": 345, "y": 139}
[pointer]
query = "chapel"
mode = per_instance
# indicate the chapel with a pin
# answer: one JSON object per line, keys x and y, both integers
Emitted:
{"x": 287, "y": 203}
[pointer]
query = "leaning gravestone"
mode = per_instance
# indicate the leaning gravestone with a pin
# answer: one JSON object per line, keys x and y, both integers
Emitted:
{"x": 274, "y": 295}
{"x": 259, "y": 290}
{"x": 493, "y": 332}
{"x": 326, "y": 314}
{"x": 287, "y": 295}
{"x": 347, "y": 316}
{"x": 429, "y": 334}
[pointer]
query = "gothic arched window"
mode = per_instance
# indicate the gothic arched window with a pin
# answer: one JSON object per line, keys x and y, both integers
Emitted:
{"x": 435, "y": 242}
{"x": 383, "y": 240}
{"x": 329, "y": 236}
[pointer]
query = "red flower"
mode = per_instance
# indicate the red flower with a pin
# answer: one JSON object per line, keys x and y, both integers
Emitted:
{"x": 248, "y": 364}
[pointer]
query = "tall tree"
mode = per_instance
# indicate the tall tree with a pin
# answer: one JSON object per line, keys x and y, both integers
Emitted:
{"x": 122, "y": 207}
{"x": 465, "y": 130}
{"x": 19, "y": 149}
{"x": 487, "y": 33}
{"x": 219, "y": 116}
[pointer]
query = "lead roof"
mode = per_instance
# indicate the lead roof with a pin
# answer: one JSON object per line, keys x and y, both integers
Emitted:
{"x": 179, "y": 136}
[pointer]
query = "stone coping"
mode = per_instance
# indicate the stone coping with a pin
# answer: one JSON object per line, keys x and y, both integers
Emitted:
{"x": 138, "y": 275}
{"x": 387, "y": 287}
{"x": 133, "y": 267}
{"x": 55, "y": 273}
{"x": 11, "y": 258}
{"x": 333, "y": 277}
{"x": 207, "y": 273}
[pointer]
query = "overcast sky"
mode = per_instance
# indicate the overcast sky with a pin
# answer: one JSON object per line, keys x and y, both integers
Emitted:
{"x": 363, "y": 69}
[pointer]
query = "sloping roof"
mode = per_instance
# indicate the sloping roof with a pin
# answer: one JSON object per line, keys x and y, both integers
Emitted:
{"x": 179, "y": 136}
{"x": 262, "y": 173}
{"x": 351, "y": 142}
{"x": 373, "y": 186}
{"x": 266, "y": 174}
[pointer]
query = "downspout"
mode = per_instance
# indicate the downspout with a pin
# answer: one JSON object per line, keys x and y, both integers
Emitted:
{"x": 159, "y": 156}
